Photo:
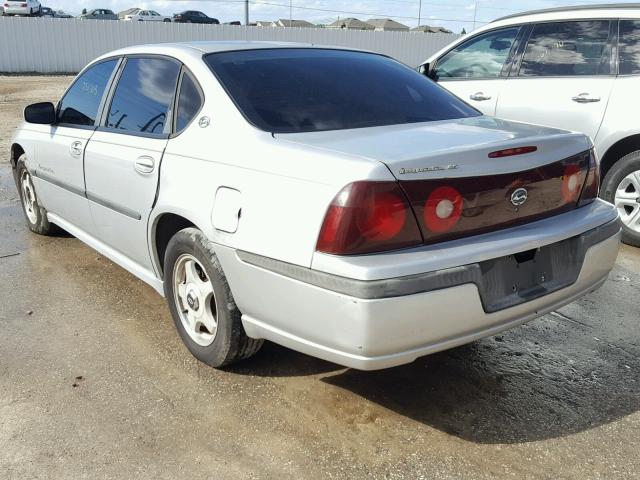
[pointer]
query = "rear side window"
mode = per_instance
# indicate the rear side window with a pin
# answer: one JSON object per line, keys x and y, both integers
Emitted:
{"x": 143, "y": 96}
{"x": 629, "y": 47}
{"x": 189, "y": 102}
{"x": 80, "y": 104}
{"x": 481, "y": 57}
{"x": 568, "y": 49}
{"x": 290, "y": 90}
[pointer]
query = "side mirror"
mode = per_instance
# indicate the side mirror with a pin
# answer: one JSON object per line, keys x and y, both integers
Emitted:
{"x": 427, "y": 70}
{"x": 43, "y": 113}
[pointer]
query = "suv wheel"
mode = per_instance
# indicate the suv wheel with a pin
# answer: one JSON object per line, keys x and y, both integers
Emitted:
{"x": 621, "y": 186}
{"x": 35, "y": 214}
{"x": 202, "y": 306}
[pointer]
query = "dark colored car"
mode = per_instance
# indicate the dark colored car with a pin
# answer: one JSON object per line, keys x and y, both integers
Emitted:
{"x": 194, "y": 16}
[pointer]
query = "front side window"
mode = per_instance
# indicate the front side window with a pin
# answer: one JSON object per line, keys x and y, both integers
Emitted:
{"x": 189, "y": 102}
{"x": 629, "y": 47}
{"x": 80, "y": 104}
{"x": 568, "y": 49}
{"x": 144, "y": 95}
{"x": 307, "y": 89}
{"x": 481, "y": 57}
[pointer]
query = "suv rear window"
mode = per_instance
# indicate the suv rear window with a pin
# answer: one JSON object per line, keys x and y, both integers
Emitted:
{"x": 568, "y": 49}
{"x": 306, "y": 90}
{"x": 629, "y": 47}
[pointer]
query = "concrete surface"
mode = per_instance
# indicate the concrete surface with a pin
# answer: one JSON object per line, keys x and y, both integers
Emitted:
{"x": 95, "y": 383}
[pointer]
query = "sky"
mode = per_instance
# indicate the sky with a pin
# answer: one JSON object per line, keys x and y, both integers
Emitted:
{"x": 452, "y": 14}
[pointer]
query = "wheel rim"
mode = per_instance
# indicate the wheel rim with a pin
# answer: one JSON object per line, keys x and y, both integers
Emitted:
{"x": 195, "y": 300}
{"x": 29, "y": 197}
{"x": 627, "y": 200}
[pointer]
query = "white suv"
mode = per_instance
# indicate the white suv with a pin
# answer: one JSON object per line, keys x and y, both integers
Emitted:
{"x": 576, "y": 68}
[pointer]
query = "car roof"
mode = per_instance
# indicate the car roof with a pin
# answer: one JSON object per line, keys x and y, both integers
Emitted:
{"x": 566, "y": 12}
{"x": 205, "y": 47}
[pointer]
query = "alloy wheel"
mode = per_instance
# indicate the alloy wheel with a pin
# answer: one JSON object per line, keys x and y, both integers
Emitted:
{"x": 195, "y": 300}
{"x": 29, "y": 197}
{"x": 627, "y": 200}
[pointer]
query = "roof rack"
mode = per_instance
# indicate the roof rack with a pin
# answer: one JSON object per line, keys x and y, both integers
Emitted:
{"x": 607, "y": 6}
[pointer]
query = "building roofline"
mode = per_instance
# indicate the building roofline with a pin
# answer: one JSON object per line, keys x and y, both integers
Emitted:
{"x": 602, "y": 6}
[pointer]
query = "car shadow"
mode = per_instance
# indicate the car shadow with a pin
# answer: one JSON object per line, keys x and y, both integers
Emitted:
{"x": 547, "y": 379}
{"x": 508, "y": 389}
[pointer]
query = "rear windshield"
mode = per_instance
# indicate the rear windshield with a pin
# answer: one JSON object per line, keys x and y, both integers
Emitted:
{"x": 308, "y": 90}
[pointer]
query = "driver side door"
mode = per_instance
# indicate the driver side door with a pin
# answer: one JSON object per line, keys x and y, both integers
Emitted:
{"x": 475, "y": 70}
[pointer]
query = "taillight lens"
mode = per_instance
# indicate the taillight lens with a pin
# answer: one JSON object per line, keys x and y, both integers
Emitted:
{"x": 510, "y": 152}
{"x": 443, "y": 209}
{"x": 367, "y": 217}
{"x": 592, "y": 184}
{"x": 572, "y": 181}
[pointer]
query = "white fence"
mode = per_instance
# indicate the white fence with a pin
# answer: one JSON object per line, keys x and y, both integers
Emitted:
{"x": 47, "y": 45}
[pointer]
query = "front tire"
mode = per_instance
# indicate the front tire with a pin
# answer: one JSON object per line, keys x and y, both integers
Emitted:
{"x": 201, "y": 303}
{"x": 35, "y": 214}
{"x": 621, "y": 186}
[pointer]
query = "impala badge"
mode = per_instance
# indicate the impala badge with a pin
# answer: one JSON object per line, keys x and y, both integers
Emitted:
{"x": 519, "y": 196}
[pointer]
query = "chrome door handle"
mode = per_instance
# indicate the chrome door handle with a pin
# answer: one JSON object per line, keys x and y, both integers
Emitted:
{"x": 145, "y": 165}
{"x": 585, "y": 97}
{"x": 76, "y": 149}
{"x": 480, "y": 97}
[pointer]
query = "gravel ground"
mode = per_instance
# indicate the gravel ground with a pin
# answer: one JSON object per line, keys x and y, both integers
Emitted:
{"x": 95, "y": 383}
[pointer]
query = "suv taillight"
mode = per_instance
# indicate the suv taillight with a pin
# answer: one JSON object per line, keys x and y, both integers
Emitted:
{"x": 592, "y": 183}
{"x": 367, "y": 217}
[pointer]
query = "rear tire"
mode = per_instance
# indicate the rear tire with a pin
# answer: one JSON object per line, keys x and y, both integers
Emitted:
{"x": 34, "y": 213}
{"x": 201, "y": 303}
{"x": 621, "y": 186}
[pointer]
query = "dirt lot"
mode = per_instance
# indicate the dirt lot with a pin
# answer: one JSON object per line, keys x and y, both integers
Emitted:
{"x": 95, "y": 383}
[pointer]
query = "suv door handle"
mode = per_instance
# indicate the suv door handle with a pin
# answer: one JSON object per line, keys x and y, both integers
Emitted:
{"x": 480, "y": 97}
{"x": 76, "y": 149}
{"x": 145, "y": 165}
{"x": 585, "y": 98}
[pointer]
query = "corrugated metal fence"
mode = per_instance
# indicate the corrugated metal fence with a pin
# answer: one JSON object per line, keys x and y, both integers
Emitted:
{"x": 48, "y": 45}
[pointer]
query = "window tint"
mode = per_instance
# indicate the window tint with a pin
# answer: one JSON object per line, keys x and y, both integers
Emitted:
{"x": 80, "y": 104}
{"x": 568, "y": 48}
{"x": 304, "y": 90}
{"x": 629, "y": 47}
{"x": 481, "y": 57}
{"x": 143, "y": 95}
{"x": 189, "y": 102}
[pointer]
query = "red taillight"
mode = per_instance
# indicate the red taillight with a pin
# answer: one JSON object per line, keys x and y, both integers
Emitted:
{"x": 367, "y": 217}
{"x": 23, "y": 5}
{"x": 572, "y": 181}
{"x": 509, "y": 152}
{"x": 443, "y": 209}
{"x": 592, "y": 183}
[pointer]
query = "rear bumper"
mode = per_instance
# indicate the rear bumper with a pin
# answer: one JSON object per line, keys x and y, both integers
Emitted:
{"x": 375, "y": 333}
{"x": 17, "y": 11}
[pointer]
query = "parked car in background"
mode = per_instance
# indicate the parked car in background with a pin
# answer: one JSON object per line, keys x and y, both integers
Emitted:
{"x": 364, "y": 222}
{"x": 576, "y": 68}
{"x": 62, "y": 14}
{"x": 21, "y": 7}
{"x": 99, "y": 14}
{"x": 147, "y": 16}
{"x": 194, "y": 16}
{"x": 47, "y": 12}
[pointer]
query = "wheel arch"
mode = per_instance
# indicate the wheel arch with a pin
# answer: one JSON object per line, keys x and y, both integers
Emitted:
{"x": 16, "y": 152}
{"x": 618, "y": 150}
{"x": 164, "y": 227}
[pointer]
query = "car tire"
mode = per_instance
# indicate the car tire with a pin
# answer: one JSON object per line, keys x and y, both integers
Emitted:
{"x": 34, "y": 213}
{"x": 166, "y": 20}
{"x": 621, "y": 186}
{"x": 197, "y": 290}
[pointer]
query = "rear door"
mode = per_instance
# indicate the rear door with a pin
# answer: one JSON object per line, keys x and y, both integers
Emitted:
{"x": 122, "y": 161}
{"x": 475, "y": 69}
{"x": 564, "y": 77}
